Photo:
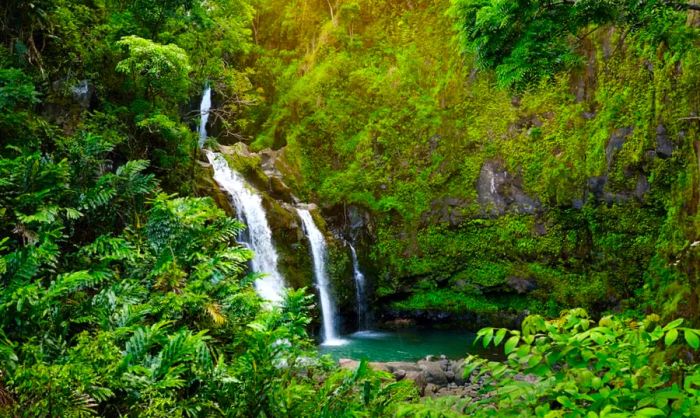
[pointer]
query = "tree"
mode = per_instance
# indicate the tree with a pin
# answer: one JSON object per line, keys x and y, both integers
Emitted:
{"x": 525, "y": 41}
{"x": 157, "y": 68}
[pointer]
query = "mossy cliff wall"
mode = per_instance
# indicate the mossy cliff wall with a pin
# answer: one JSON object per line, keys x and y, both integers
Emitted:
{"x": 268, "y": 173}
{"x": 582, "y": 192}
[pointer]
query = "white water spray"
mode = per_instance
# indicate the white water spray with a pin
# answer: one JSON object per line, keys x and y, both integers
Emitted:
{"x": 204, "y": 108}
{"x": 250, "y": 211}
{"x": 360, "y": 291}
{"x": 318, "y": 251}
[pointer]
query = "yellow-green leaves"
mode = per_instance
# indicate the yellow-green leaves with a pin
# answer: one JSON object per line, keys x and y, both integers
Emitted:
{"x": 511, "y": 344}
{"x": 499, "y": 336}
{"x": 671, "y": 337}
{"x": 159, "y": 68}
{"x": 691, "y": 337}
{"x": 673, "y": 324}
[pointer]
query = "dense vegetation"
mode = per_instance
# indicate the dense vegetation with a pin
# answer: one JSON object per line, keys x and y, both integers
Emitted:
{"x": 123, "y": 293}
{"x": 589, "y": 143}
{"x": 119, "y": 298}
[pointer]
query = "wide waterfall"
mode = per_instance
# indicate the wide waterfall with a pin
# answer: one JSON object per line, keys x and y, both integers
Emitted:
{"x": 360, "y": 291}
{"x": 250, "y": 211}
{"x": 318, "y": 251}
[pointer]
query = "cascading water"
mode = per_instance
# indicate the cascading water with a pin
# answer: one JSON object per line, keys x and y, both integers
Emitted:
{"x": 360, "y": 291}
{"x": 250, "y": 211}
{"x": 259, "y": 238}
{"x": 204, "y": 108}
{"x": 318, "y": 251}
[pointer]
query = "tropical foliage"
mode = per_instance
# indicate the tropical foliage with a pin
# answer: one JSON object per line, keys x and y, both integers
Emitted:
{"x": 124, "y": 291}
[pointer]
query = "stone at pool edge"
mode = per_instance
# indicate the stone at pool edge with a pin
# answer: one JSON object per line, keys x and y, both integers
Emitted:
{"x": 439, "y": 377}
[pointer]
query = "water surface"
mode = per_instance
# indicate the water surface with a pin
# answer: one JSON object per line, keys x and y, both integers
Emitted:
{"x": 406, "y": 345}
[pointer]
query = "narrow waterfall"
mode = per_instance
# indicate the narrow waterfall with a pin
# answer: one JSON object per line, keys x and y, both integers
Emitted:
{"x": 250, "y": 211}
{"x": 360, "y": 291}
{"x": 318, "y": 251}
{"x": 204, "y": 108}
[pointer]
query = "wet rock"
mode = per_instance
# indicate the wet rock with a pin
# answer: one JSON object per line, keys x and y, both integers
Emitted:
{"x": 206, "y": 186}
{"x": 521, "y": 284}
{"x": 458, "y": 370}
{"x": 402, "y": 365}
{"x": 596, "y": 185}
{"x": 82, "y": 93}
{"x": 357, "y": 220}
{"x": 642, "y": 187}
{"x": 418, "y": 379}
{"x": 617, "y": 140}
{"x": 664, "y": 145}
{"x": 433, "y": 373}
{"x": 499, "y": 191}
{"x": 430, "y": 389}
{"x": 491, "y": 179}
{"x": 430, "y": 377}
{"x": 399, "y": 374}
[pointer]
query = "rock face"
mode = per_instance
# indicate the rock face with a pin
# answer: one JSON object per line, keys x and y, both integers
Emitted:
{"x": 664, "y": 145}
{"x": 268, "y": 172}
{"x": 206, "y": 186}
{"x": 433, "y": 377}
{"x": 500, "y": 192}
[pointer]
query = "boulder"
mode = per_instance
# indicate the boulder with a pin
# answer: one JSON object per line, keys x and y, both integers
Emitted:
{"x": 433, "y": 373}
{"x": 521, "y": 284}
{"x": 402, "y": 365}
{"x": 417, "y": 378}
{"x": 499, "y": 191}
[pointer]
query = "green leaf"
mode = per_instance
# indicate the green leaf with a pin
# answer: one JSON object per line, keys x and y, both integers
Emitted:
{"x": 692, "y": 339}
{"x": 499, "y": 336}
{"x": 671, "y": 337}
{"x": 511, "y": 343}
{"x": 488, "y": 335}
{"x": 673, "y": 324}
{"x": 649, "y": 412}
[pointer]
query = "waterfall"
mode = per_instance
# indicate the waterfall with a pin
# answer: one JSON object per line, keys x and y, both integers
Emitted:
{"x": 250, "y": 211}
{"x": 318, "y": 251}
{"x": 360, "y": 291}
{"x": 204, "y": 108}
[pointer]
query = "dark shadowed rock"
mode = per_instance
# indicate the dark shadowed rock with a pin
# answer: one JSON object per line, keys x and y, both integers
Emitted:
{"x": 82, "y": 93}
{"x": 418, "y": 379}
{"x": 499, "y": 191}
{"x": 664, "y": 145}
{"x": 491, "y": 179}
{"x": 521, "y": 284}
{"x": 596, "y": 185}
{"x": 642, "y": 187}
{"x": 433, "y": 373}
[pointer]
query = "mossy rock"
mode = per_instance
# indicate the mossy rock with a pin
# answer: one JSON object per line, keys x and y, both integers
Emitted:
{"x": 205, "y": 185}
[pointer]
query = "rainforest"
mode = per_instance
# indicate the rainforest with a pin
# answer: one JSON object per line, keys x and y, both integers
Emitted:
{"x": 350, "y": 208}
